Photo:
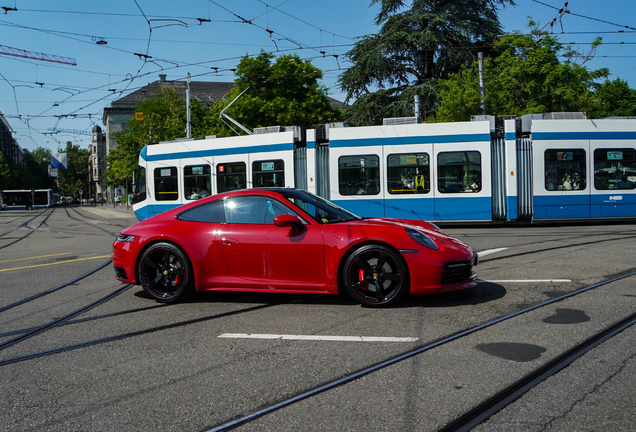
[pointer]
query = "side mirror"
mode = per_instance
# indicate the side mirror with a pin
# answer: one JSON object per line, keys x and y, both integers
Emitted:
{"x": 287, "y": 220}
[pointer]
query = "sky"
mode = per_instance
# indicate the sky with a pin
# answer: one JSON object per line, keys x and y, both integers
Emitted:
{"x": 49, "y": 103}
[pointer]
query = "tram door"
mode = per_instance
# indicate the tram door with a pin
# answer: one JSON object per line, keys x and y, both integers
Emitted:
{"x": 563, "y": 178}
{"x": 462, "y": 177}
{"x": 613, "y": 193}
{"x": 408, "y": 193}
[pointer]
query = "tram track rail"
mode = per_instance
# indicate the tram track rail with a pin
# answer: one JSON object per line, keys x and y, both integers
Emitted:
{"x": 57, "y": 288}
{"x": 69, "y": 320}
{"x": 496, "y": 403}
{"x": 114, "y": 234}
{"x": 66, "y": 317}
{"x": 124, "y": 335}
{"x": 24, "y": 225}
{"x": 480, "y": 414}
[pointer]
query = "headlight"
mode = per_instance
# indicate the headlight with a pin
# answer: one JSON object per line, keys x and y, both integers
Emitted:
{"x": 125, "y": 238}
{"x": 422, "y": 238}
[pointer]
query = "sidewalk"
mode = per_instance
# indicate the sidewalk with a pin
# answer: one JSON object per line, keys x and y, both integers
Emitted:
{"x": 108, "y": 211}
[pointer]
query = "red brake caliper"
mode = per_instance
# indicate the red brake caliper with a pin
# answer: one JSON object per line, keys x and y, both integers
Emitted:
{"x": 360, "y": 275}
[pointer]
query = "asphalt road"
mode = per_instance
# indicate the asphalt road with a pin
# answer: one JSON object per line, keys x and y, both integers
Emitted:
{"x": 133, "y": 364}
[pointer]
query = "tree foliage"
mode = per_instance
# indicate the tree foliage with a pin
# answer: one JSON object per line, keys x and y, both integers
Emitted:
{"x": 32, "y": 173}
{"x": 413, "y": 50}
{"x": 164, "y": 119}
{"x": 75, "y": 177}
{"x": 613, "y": 99}
{"x": 4, "y": 173}
{"x": 281, "y": 92}
{"x": 525, "y": 77}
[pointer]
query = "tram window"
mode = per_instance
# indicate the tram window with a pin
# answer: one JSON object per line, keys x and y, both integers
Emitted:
{"x": 268, "y": 173}
{"x": 139, "y": 192}
{"x": 614, "y": 169}
{"x": 459, "y": 172}
{"x": 408, "y": 173}
{"x": 565, "y": 169}
{"x": 166, "y": 184}
{"x": 230, "y": 176}
{"x": 359, "y": 175}
{"x": 197, "y": 180}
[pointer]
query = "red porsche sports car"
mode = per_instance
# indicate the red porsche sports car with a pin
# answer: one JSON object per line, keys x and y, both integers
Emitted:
{"x": 288, "y": 241}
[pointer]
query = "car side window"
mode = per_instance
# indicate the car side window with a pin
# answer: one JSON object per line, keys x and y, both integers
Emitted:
{"x": 254, "y": 210}
{"x": 213, "y": 212}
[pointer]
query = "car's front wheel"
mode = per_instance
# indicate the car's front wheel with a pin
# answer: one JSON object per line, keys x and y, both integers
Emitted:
{"x": 375, "y": 276}
{"x": 164, "y": 273}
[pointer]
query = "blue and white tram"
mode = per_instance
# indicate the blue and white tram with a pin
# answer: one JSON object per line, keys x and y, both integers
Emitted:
{"x": 28, "y": 199}
{"x": 587, "y": 170}
{"x": 176, "y": 172}
{"x": 536, "y": 167}
{"x": 418, "y": 171}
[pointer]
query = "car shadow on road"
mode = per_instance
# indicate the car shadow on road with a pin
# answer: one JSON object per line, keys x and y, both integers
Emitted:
{"x": 483, "y": 292}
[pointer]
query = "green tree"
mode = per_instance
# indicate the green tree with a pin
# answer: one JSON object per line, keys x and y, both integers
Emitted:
{"x": 75, "y": 177}
{"x": 414, "y": 48}
{"x": 164, "y": 119}
{"x": 525, "y": 77}
{"x": 4, "y": 173}
{"x": 38, "y": 163}
{"x": 613, "y": 99}
{"x": 284, "y": 92}
{"x": 32, "y": 173}
{"x": 281, "y": 92}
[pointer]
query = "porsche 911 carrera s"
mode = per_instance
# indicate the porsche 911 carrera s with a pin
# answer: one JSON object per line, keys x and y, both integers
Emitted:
{"x": 288, "y": 241}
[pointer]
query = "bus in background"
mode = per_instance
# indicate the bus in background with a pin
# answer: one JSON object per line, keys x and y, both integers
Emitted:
{"x": 28, "y": 199}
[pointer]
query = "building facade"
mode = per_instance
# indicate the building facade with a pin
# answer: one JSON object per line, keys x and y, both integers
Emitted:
{"x": 97, "y": 166}
{"x": 9, "y": 147}
{"x": 122, "y": 111}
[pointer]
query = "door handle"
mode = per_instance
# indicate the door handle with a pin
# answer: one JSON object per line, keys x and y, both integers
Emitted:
{"x": 228, "y": 241}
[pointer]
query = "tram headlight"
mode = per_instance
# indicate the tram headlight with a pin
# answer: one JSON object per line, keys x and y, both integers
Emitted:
{"x": 422, "y": 238}
{"x": 125, "y": 238}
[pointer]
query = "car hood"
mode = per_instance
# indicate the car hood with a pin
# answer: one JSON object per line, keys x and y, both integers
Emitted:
{"x": 431, "y": 230}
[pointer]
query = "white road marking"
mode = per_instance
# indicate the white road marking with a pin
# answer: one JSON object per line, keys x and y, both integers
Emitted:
{"x": 490, "y": 251}
{"x": 528, "y": 280}
{"x": 317, "y": 338}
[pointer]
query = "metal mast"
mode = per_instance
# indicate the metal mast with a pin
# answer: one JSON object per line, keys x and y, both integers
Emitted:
{"x": 15, "y": 52}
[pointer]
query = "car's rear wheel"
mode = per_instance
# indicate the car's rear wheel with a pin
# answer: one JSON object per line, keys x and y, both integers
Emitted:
{"x": 375, "y": 276}
{"x": 164, "y": 273}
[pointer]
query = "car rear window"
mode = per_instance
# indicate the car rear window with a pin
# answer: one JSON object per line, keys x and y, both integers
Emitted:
{"x": 212, "y": 212}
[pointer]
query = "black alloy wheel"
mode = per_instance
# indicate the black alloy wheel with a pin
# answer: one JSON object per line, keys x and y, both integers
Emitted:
{"x": 164, "y": 273}
{"x": 375, "y": 276}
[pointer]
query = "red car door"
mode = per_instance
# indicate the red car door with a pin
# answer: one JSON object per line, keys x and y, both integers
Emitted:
{"x": 268, "y": 256}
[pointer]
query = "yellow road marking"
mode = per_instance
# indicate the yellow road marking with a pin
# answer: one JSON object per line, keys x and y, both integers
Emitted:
{"x": 59, "y": 262}
{"x": 41, "y": 256}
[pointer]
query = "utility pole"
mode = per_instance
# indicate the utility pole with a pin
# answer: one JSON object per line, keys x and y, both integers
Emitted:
{"x": 188, "y": 125}
{"x": 482, "y": 86}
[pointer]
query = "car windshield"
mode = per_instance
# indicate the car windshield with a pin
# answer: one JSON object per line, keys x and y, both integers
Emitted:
{"x": 318, "y": 208}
